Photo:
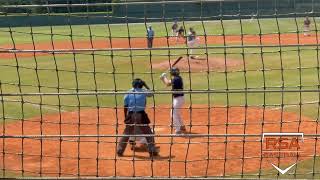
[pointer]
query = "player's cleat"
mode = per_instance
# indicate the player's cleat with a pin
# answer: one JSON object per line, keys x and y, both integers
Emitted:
{"x": 180, "y": 132}
{"x": 141, "y": 148}
{"x": 157, "y": 148}
{"x": 120, "y": 154}
{"x": 144, "y": 148}
{"x": 132, "y": 144}
{"x": 192, "y": 57}
{"x": 154, "y": 154}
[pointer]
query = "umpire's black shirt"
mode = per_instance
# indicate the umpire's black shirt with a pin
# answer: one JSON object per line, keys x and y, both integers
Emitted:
{"x": 177, "y": 85}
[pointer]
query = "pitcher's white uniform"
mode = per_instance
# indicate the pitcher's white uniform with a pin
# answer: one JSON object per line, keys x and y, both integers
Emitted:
{"x": 192, "y": 41}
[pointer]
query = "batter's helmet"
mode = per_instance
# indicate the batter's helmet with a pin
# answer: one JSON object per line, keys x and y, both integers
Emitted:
{"x": 174, "y": 71}
{"x": 137, "y": 83}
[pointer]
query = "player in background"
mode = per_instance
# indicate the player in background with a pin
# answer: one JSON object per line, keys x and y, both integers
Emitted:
{"x": 192, "y": 41}
{"x": 306, "y": 24}
{"x": 136, "y": 117}
{"x": 180, "y": 34}
{"x": 174, "y": 29}
{"x": 176, "y": 84}
{"x": 252, "y": 17}
{"x": 150, "y": 35}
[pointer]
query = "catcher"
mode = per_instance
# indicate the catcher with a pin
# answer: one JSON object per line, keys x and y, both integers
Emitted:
{"x": 176, "y": 83}
{"x": 136, "y": 117}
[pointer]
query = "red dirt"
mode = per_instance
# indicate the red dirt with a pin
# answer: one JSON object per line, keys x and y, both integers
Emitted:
{"x": 240, "y": 121}
{"x": 202, "y": 65}
{"x": 237, "y": 159}
{"x": 285, "y": 39}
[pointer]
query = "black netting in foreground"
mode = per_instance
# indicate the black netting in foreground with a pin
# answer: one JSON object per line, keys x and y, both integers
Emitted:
{"x": 251, "y": 88}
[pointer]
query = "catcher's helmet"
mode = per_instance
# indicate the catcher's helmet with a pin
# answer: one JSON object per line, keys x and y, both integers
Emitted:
{"x": 137, "y": 83}
{"x": 174, "y": 71}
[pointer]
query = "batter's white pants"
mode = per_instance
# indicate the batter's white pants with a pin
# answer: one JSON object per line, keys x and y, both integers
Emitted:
{"x": 176, "y": 113}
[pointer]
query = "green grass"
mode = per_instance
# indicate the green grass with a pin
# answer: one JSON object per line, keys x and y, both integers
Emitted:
{"x": 296, "y": 172}
{"x": 67, "y": 73}
{"x": 85, "y": 79}
{"x": 228, "y": 27}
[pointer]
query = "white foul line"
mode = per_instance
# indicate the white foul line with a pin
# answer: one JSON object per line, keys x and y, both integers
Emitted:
{"x": 294, "y": 105}
{"x": 37, "y": 105}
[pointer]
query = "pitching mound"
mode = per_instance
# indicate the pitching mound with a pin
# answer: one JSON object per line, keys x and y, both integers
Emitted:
{"x": 200, "y": 64}
{"x": 214, "y": 156}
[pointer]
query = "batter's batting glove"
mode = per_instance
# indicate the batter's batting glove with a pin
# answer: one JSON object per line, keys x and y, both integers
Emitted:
{"x": 163, "y": 75}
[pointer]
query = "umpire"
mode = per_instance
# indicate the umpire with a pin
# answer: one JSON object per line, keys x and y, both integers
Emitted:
{"x": 136, "y": 117}
{"x": 150, "y": 35}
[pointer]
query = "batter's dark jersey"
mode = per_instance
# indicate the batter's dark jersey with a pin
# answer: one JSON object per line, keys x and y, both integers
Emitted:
{"x": 177, "y": 85}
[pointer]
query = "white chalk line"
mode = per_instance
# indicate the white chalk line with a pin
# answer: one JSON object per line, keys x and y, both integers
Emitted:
{"x": 37, "y": 105}
{"x": 156, "y": 129}
{"x": 294, "y": 105}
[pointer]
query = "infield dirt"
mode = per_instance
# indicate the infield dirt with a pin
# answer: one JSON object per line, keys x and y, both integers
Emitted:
{"x": 180, "y": 156}
{"x": 269, "y": 39}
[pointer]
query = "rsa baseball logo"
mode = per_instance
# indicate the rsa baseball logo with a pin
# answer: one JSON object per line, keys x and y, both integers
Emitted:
{"x": 282, "y": 145}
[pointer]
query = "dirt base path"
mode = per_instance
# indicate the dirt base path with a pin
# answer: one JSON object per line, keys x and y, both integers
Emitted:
{"x": 195, "y": 158}
{"x": 283, "y": 39}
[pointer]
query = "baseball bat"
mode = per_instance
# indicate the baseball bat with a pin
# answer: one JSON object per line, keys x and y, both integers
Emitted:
{"x": 176, "y": 61}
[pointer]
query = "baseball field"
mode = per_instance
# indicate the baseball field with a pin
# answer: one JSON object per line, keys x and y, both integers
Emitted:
{"x": 255, "y": 76}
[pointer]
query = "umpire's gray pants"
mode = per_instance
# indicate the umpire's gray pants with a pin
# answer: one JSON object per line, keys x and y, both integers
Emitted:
{"x": 150, "y": 42}
{"x": 130, "y": 129}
